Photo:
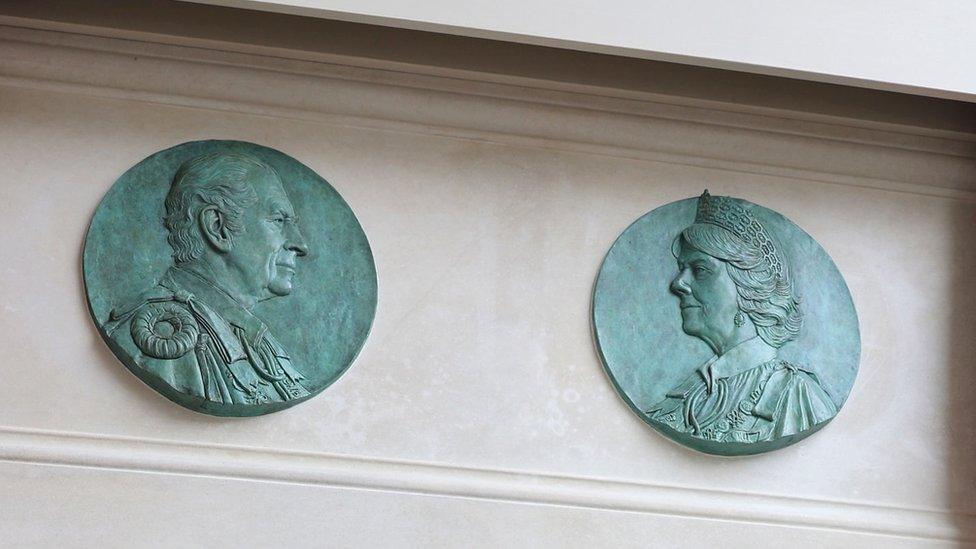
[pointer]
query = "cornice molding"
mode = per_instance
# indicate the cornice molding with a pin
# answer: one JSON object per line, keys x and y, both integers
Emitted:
{"x": 679, "y": 130}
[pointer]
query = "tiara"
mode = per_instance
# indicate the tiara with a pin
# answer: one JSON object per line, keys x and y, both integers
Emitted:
{"x": 725, "y": 212}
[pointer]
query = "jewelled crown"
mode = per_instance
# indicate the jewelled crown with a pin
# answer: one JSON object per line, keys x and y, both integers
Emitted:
{"x": 728, "y": 214}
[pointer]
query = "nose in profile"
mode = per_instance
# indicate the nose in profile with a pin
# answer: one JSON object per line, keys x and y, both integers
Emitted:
{"x": 679, "y": 286}
{"x": 296, "y": 242}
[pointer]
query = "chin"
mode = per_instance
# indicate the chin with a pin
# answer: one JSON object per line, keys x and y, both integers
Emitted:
{"x": 691, "y": 329}
{"x": 280, "y": 288}
{"x": 691, "y": 321}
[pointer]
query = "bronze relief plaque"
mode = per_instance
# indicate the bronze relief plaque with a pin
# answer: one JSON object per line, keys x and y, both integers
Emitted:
{"x": 229, "y": 277}
{"x": 725, "y": 326}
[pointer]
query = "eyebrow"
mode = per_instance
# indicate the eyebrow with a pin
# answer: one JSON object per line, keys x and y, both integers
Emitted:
{"x": 282, "y": 208}
{"x": 694, "y": 261}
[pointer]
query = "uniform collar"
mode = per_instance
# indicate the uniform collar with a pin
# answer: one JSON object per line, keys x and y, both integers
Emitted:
{"x": 744, "y": 356}
{"x": 228, "y": 308}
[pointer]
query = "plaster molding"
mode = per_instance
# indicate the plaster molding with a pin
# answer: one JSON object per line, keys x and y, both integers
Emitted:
{"x": 43, "y": 447}
{"x": 783, "y": 143}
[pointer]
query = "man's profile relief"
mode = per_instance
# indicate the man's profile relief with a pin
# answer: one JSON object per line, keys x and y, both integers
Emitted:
{"x": 235, "y": 242}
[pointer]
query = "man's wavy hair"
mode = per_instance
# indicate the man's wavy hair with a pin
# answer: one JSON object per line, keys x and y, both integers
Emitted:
{"x": 764, "y": 294}
{"x": 220, "y": 179}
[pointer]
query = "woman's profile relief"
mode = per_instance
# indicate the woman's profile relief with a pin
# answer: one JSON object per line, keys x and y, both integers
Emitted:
{"x": 735, "y": 293}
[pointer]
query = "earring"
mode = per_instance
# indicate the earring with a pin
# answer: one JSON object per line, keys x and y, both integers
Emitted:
{"x": 739, "y": 319}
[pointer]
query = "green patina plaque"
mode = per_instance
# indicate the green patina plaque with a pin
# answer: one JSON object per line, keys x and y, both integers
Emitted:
{"x": 725, "y": 326}
{"x": 229, "y": 277}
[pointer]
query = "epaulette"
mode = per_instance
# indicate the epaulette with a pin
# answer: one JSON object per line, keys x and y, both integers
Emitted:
{"x": 164, "y": 329}
{"x": 119, "y": 315}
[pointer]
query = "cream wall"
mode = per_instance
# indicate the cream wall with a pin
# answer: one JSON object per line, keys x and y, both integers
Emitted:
{"x": 478, "y": 413}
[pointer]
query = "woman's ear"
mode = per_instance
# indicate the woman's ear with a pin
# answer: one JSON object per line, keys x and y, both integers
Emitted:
{"x": 213, "y": 227}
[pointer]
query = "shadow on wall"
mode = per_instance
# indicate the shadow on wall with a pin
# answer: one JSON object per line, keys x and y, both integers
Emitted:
{"x": 961, "y": 402}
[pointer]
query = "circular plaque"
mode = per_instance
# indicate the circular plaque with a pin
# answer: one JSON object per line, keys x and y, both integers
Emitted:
{"x": 725, "y": 326}
{"x": 229, "y": 277}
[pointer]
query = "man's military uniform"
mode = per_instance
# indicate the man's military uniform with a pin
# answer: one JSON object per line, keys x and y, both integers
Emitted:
{"x": 196, "y": 338}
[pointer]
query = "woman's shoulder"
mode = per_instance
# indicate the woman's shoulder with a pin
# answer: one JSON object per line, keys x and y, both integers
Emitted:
{"x": 793, "y": 398}
{"x": 669, "y": 409}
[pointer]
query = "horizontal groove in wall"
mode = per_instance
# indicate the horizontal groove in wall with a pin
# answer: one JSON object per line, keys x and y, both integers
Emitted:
{"x": 284, "y": 87}
{"x": 316, "y": 469}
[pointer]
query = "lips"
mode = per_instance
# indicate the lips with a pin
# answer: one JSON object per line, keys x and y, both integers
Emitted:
{"x": 689, "y": 306}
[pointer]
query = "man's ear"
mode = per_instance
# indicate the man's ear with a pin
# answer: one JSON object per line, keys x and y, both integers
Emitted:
{"x": 213, "y": 227}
